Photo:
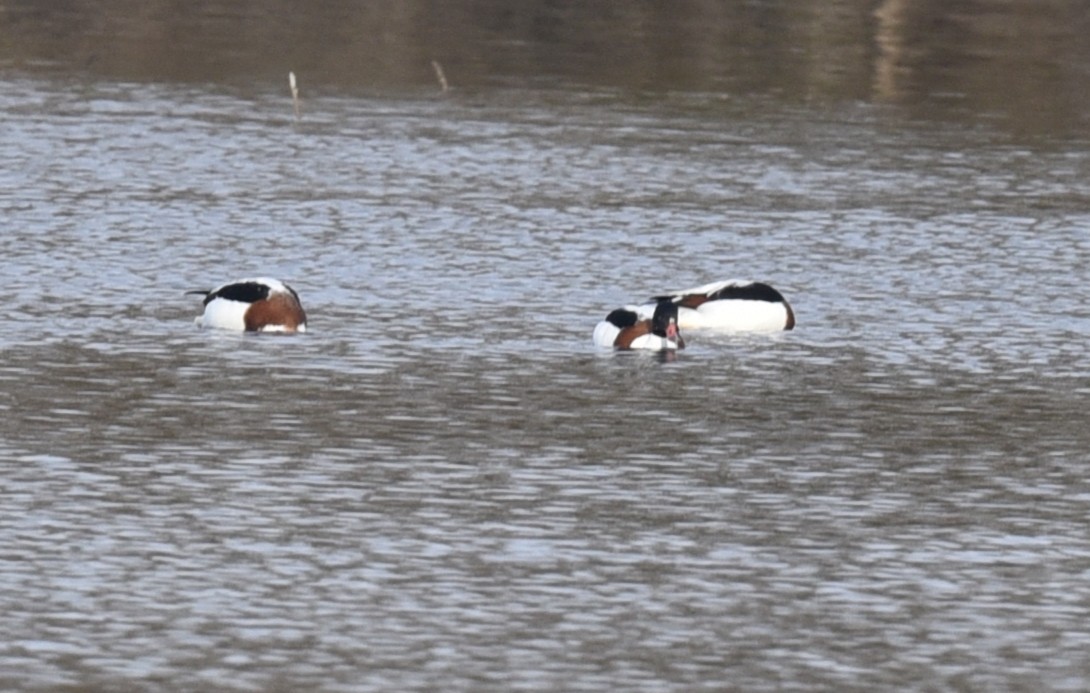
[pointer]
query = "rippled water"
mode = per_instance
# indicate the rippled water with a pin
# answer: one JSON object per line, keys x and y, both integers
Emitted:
{"x": 443, "y": 485}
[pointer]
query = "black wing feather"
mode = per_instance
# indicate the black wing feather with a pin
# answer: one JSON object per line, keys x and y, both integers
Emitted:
{"x": 623, "y": 318}
{"x": 243, "y": 292}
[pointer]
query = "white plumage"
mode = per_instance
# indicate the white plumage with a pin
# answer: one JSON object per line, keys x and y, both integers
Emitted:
{"x": 733, "y": 305}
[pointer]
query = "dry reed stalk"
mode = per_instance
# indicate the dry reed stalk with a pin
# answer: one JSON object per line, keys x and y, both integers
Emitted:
{"x": 294, "y": 93}
{"x": 443, "y": 86}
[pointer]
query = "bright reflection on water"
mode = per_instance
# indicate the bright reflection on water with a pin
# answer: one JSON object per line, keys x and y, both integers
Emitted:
{"x": 444, "y": 485}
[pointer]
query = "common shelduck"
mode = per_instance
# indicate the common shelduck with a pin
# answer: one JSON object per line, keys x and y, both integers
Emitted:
{"x": 625, "y": 328}
{"x": 253, "y": 305}
{"x": 732, "y": 305}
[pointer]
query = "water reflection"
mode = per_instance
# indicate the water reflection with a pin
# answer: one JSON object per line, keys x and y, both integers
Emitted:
{"x": 1018, "y": 62}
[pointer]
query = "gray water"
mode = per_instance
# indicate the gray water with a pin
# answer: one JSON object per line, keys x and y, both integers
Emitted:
{"x": 444, "y": 486}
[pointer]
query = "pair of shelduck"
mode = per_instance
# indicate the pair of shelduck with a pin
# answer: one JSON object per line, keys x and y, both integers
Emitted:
{"x": 729, "y": 306}
{"x": 269, "y": 305}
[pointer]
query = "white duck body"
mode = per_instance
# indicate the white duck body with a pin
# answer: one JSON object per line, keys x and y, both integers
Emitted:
{"x": 733, "y": 305}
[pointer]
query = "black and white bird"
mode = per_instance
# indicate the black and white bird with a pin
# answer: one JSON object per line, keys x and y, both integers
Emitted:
{"x": 253, "y": 305}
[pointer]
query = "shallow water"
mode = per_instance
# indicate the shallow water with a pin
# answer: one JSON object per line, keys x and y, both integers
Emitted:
{"x": 444, "y": 485}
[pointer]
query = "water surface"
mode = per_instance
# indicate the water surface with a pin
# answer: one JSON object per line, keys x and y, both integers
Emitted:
{"x": 443, "y": 484}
